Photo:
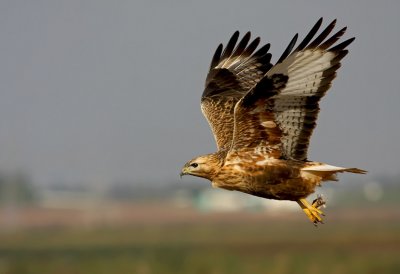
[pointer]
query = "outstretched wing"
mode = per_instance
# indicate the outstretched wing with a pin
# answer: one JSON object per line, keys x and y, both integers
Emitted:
{"x": 277, "y": 117}
{"x": 233, "y": 71}
{"x": 255, "y": 126}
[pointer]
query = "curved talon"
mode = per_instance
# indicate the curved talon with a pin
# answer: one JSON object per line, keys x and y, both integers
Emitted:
{"x": 319, "y": 202}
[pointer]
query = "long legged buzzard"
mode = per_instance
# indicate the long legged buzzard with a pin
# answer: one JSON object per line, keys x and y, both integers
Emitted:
{"x": 263, "y": 115}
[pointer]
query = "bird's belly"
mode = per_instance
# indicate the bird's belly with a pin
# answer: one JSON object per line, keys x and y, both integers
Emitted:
{"x": 279, "y": 182}
{"x": 289, "y": 189}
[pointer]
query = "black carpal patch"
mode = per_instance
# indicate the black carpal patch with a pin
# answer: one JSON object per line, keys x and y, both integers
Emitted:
{"x": 220, "y": 81}
{"x": 266, "y": 88}
{"x": 279, "y": 81}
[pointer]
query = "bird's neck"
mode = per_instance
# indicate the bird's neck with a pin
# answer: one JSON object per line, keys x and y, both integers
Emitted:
{"x": 216, "y": 161}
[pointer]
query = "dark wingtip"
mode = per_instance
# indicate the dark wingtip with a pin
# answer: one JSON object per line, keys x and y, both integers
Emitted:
{"x": 216, "y": 56}
{"x": 242, "y": 44}
{"x": 310, "y": 35}
{"x": 288, "y": 48}
{"x": 321, "y": 37}
{"x": 230, "y": 46}
{"x": 343, "y": 45}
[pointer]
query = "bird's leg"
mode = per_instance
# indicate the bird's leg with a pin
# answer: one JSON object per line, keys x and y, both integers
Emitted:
{"x": 312, "y": 211}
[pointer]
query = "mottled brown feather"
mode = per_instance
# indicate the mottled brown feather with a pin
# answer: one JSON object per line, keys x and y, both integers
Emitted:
{"x": 232, "y": 73}
{"x": 255, "y": 125}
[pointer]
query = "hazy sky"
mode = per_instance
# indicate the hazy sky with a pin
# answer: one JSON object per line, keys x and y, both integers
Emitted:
{"x": 108, "y": 91}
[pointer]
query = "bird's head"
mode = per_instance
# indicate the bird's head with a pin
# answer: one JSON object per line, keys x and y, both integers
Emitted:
{"x": 205, "y": 166}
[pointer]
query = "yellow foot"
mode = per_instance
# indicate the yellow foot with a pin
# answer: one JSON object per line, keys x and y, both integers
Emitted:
{"x": 312, "y": 211}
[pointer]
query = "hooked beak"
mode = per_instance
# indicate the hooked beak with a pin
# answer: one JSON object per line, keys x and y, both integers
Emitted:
{"x": 183, "y": 172}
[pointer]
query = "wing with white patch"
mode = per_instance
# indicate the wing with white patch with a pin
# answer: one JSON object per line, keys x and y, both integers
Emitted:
{"x": 277, "y": 116}
{"x": 310, "y": 69}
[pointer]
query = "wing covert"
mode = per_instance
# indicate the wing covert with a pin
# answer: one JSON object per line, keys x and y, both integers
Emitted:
{"x": 255, "y": 126}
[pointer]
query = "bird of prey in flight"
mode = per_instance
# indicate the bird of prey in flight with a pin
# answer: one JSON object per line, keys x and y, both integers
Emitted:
{"x": 262, "y": 116}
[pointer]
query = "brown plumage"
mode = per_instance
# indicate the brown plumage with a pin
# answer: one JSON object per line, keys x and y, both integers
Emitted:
{"x": 262, "y": 117}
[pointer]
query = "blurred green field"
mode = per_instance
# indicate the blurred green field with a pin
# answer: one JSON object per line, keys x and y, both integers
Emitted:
{"x": 344, "y": 245}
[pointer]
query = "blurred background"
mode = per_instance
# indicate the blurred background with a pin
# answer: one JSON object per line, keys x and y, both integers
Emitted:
{"x": 99, "y": 110}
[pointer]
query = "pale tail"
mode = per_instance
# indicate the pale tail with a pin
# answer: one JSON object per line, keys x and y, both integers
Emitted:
{"x": 328, "y": 172}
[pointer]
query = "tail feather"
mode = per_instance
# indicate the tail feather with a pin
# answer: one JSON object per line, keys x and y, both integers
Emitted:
{"x": 325, "y": 167}
{"x": 355, "y": 170}
{"x": 328, "y": 172}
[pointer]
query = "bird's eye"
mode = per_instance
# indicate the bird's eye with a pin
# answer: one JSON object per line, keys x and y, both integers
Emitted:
{"x": 194, "y": 165}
